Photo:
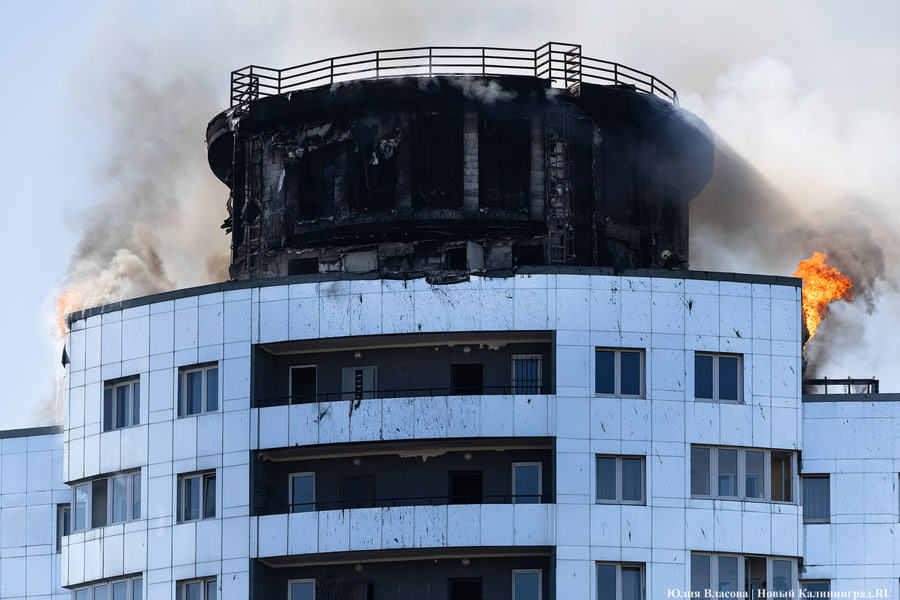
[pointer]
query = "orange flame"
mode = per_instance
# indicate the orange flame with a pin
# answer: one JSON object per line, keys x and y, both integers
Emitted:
{"x": 821, "y": 284}
{"x": 69, "y": 301}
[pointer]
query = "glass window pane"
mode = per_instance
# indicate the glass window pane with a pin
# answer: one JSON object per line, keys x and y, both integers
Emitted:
{"x": 700, "y": 471}
{"x": 528, "y": 484}
{"x": 303, "y": 493}
{"x": 703, "y": 376}
{"x": 98, "y": 502}
{"x": 123, "y": 418}
{"x": 136, "y": 496}
{"x": 630, "y": 368}
{"x": 527, "y": 586}
{"x": 137, "y": 589}
{"x": 136, "y": 404}
{"x": 100, "y": 592}
{"x": 83, "y": 594}
{"x": 727, "y": 472}
{"x": 212, "y": 389}
{"x": 209, "y": 497}
{"x": 605, "y": 372}
{"x": 210, "y": 590}
{"x": 194, "y": 393}
{"x": 754, "y": 484}
{"x": 781, "y": 476}
{"x": 728, "y": 377}
{"x": 816, "y": 499}
{"x": 193, "y": 591}
{"x": 303, "y": 590}
{"x": 108, "y": 423}
{"x": 606, "y": 478}
{"x": 81, "y": 506}
{"x": 632, "y": 479}
{"x": 606, "y": 581}
{"x": 815, "y": 587}
{"x": 120, "y": 590}
{"x": 728, "y": 573}
{"x": 120, "y": 499}
{"x": 699, "y": 572}
{"x": 781, "y": 575}
{"x": 631, "y": 583}
{"x": 191, "y": 498}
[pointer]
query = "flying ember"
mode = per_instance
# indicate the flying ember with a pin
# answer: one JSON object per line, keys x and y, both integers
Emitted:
{"x": 821, "y": 285}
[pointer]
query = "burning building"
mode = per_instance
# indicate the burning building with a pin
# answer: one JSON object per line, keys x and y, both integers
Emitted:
{"x": 461, "y": 355}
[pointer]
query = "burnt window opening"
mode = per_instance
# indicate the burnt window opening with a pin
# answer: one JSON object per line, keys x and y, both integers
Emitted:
{"x": 315, "y": 182}
{"x": 467, "y": 379}
{"x": 466, "y": 487}
{"x": 303, "y": 384}
{"x": 455, "y": 259}
{"x": 464, "y": 589}
{"x": 372, "y": 165}
{"x": 527, "y": 256}
{"x": 303, "y": 266}
{"x": 437, "y": 160}
{"x": 358, "y": 491}
{"x": 504, "y": 157}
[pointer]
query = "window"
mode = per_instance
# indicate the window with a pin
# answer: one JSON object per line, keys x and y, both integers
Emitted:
{"x": 121, "y": 403}
{"x": 526, "y": 480}
{"x": 815, "y": 589}
{"x": 816, "y": 498}
{"x": 619, "y": 372}
{"x": 198, "y": 589}
{"x": 526, "y": 584}
{"x": 302, "y": 589}
{"x": 467, "y": 379}
{"x": 358, "y": 491}
{"x": 526, "y": 373}
{"x": 117, "y": 589}
{"x": 466, "y": 487}
{"x": 746, "y": 576}
{"x": 63, "y": 525}
{"x": 620, "y": 479}
{"x": 303, "y": 384}
{"x": 197, "y": 497}
{"x": 198, "y": 390}
{"x": 742, "y": 473}
{"x": 718, "y": 377}
{"x": 303, "y": 492}
{"x": 464, "y": 589}
{"x": 108, "y": 500}
{"x": 620, "y": 581}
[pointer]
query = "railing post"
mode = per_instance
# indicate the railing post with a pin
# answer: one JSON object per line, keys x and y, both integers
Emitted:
{"x": 483, "y": 66}
{"x": 331, "y": 71}
{"x": 377, "y": 64}
{"x": 430, "y": 74}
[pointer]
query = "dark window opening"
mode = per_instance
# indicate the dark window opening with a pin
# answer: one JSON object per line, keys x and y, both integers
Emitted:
{"x": 465, "y": 589}
{"x": 303, "y": 384}
{"x": 372, "y": 169}
{"x": 437, "y": 155}
{"x": 467, "y": 379}
{"x": 504, "y": 156}
{"x": 527, "y": 256}
{"x": 316, "y": 183}
{"x": 466, "y": 487}
{"x": 303, "y": 266}
{"x": 455, "y": 259}
{"x": 98, "y": 503}
{"x": 358, "y": 491}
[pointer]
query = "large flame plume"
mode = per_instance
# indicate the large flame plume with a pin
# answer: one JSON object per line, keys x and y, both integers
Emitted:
{"x": 822, "y": 284}
{"x": 71, "y": 300}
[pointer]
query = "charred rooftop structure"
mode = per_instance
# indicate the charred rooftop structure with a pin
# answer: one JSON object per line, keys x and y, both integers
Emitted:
{"x": 444, "y": 161}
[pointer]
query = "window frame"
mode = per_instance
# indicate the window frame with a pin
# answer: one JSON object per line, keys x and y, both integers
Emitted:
{"x": 514, "y": 497}
{"x": 619, "y": 566}
{"x": 63, "y": 523}
{"x": 526, "y": 386}
{"x": 291, "y": 582}
{"x": 181, "y": 587}
{"x": 204, "y": 477}
{"x": 130, "y": 504}
{"x": 130, "y": 581}
{"x": 540, "y": 575}
{"x": 617, "y": 372}
{"x": 714, "y": 475}
{"x": 713, "y": 572}
{"x": 132, "y": 383}
{"x": 183, "y": 373}
{"x": 291, "y": 502}
{"x": 739, "y": 392}
{"x": 619, "y": 487}
{"x": 817, "y": 476}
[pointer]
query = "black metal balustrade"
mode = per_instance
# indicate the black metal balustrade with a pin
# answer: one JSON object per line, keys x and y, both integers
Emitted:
{"x": 414, "y": 501}
{"x": 560, "y": 63}
{"x": 483, "y": 390}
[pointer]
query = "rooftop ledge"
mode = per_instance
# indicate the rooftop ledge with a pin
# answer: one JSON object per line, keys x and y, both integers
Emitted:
{"x": 562, "y": 64}
{"x": 344, "y": 276}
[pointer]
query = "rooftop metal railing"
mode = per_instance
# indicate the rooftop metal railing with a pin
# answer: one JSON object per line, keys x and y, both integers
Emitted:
{"x": 560, "y": 63}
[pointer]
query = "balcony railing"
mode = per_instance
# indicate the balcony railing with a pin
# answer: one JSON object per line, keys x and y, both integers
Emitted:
{"x": 483, "y": 390}
{"x": 414, "y": 501}
{"x": 560, "y": 63}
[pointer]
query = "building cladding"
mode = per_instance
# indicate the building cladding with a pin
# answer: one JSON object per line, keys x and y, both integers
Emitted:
{"x": 439, "y": 375}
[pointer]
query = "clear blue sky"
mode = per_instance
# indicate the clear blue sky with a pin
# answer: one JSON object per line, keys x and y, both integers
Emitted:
{"x": 97, "y": 94}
